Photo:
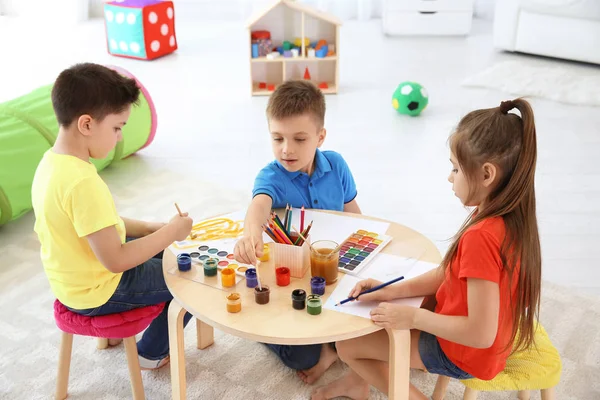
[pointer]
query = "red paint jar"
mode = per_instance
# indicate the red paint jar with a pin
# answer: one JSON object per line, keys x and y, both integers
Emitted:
{"x": 283, "y": 276}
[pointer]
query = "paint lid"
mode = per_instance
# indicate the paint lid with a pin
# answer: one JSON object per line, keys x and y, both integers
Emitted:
{"x": 210, "y": 263}
{"x": 227, "y": 271}
{"x": 184, "y": 262}
{"x": 314, "y": 301}
{"x": 317, "y": 281}
{"x": 299, "y": 295}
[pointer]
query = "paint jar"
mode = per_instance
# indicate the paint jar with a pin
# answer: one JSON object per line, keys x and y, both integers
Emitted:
{"x": 324, "y": 260}
{"x": 299, "y": 299}
{"x": 317, "y": 285}
{"x": 210, "y": 267}
{"x": 228, "y": 277}
{"x": 251, "y": 279}
{"x": 261, "y": 295}
{"x": 184, "y": 262}
{"x": 313, "y": 304}
{"x": 266, "y": 253}
{"x": 234, "y": 303}
{"x": 282, "y": 276}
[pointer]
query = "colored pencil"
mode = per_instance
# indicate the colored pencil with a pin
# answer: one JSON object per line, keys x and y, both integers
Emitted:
{"x": 300, "y": 235}
{"x": 373, "y": 289}
{"x": 284, "y": 238}
{"x": 275, "y": 231}
{"x": 277, "y": 220}
{"x": 302, "y": 219}
{"x": 285, "y": 217}
{"x": 270, "y": 233}
{"x": 178, "y": 210}
{"x": 289, "y": 222}
{"x": 280, "y": 225}
{"x": 300, "y": 241}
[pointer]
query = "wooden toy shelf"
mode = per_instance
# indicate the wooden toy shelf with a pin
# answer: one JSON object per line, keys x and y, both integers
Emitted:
{"x": 289, "y": 21}
{"x": 293, "y": 59}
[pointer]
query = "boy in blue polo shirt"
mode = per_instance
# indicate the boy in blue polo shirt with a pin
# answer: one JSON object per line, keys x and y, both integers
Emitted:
{"x": 300, "y": 175}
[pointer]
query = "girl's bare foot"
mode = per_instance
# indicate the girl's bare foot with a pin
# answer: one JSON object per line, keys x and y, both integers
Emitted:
{"x": 114, "y": 342}
{"x": 328, "y": 357}
{"x": 350, "y": 385}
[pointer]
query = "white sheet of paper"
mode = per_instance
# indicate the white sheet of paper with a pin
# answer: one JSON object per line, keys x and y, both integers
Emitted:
{"x": 384, "y": 267}
{"x": 336, "y": 227}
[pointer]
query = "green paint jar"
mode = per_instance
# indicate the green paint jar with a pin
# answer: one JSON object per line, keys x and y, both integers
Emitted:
{"x": 210, "y": 267}
{"x": 313, "y": 304}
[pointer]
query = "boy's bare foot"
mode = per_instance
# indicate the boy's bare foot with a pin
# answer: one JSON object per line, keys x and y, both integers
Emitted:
{"x": 328, "y": 357}
{"x": 350, "y": 385}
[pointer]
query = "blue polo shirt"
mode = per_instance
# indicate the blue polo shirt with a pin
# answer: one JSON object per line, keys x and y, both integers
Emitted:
{"x": 330, "y": 186}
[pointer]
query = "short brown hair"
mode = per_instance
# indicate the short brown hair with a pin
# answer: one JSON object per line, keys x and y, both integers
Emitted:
{"x": 295, "y": 98}
{"x": 91, "y": 89}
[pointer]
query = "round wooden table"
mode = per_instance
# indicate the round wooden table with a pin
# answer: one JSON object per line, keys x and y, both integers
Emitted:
{"x": 277, "y": 322}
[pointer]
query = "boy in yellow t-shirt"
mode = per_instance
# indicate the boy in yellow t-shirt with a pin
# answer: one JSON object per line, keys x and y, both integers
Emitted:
{"x": 92, "y": 268}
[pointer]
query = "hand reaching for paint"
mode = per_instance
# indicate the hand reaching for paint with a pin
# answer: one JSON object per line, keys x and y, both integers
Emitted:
{"x": 378, "y": 295}
{"x": 249, "y": 249}
{"x": 182, "y": 225}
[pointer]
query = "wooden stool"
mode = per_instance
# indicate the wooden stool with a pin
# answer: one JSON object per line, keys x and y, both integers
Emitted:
{"x": 537, "y": 368}
{"x": 120, "y": 325}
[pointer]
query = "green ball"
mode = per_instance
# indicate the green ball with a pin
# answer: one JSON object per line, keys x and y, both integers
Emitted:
{"x": 410, "y": 98}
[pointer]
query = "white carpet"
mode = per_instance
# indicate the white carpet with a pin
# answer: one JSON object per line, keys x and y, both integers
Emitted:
{"x": 569, "y": 83}
{"x": 232, "y": 368}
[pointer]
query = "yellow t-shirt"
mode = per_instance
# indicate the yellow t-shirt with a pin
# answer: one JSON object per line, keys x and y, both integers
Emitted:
{"x": 71, "y": 201}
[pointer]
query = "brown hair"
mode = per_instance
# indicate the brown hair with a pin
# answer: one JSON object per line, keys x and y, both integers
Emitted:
{"x": 508, "y": 141}
{"x": 91, "y": 89}
{"x": 297, "y": 97}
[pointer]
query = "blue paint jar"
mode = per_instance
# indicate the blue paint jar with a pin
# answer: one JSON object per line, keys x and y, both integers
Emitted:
{"x": 251, "y": 279}
{"x": 184, "y": 262}
{"x": 317, "y": 285}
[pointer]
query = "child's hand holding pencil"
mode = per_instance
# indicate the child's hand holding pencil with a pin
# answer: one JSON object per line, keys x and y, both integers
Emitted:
{"x": 359, "y": 292}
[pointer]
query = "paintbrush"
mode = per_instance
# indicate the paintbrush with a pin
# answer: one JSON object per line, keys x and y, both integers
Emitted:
{"x": 300, "y": 235}
{"x": 178, "y": 210}
{"x": 256, "y": 264}
{"x": 373, "y": 289}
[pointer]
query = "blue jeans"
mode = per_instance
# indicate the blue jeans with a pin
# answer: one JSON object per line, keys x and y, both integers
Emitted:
{"x": 298, "y": 357}
{"x": 143, "y": 286}
{"x": 434, "y": 359}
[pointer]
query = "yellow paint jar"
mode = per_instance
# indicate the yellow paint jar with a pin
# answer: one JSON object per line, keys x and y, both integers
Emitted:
{"x": 227, "y": 277}
{"x": 266, "y": 253}
{"x": 234, "y": 303}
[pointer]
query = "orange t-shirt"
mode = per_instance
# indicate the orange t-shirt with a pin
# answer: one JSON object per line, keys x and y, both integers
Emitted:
{"x": 478, "y": 257}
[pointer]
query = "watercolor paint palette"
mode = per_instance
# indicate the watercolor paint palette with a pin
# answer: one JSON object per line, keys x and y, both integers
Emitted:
{"x": 359, "y": 249}
{"x": 223, "y": 257}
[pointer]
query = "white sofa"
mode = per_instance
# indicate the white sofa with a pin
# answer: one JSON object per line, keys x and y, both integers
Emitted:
{"x": 568, "y": 29}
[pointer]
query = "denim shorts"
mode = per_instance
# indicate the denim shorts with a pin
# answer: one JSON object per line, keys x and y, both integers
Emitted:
{"x": 436, "y": 361}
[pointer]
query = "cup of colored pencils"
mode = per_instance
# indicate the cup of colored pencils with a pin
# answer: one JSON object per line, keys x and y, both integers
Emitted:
{"x": 291, "y": 247}
{"x": 283, "y": 232}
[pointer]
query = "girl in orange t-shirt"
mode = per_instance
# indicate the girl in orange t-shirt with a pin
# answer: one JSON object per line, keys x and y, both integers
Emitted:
{"x": 488, "y": 285}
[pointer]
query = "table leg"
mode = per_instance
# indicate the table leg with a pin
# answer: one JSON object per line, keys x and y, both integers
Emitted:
{"x": 176, "y": 350}
{"x": 205, "y": 334}
{"x": 399, "y": 364}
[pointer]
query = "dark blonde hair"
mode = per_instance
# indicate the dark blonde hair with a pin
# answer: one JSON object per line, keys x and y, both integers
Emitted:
{"x": 297, "y": 97}
{"x": 508, "y": 141}
{"x": 92, "y": 89}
